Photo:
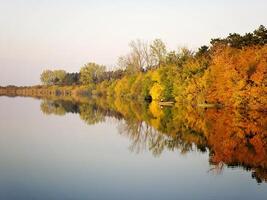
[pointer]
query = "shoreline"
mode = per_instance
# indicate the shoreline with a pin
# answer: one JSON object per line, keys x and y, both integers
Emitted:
{"x": 81, "y": 93}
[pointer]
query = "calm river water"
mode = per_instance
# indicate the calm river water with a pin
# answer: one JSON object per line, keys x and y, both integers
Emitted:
{"x": 65, "y": 150}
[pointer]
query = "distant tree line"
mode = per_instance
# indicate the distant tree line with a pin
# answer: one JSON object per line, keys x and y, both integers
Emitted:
{"x": 59, "y": 77}
{"x": 226, "y": 71}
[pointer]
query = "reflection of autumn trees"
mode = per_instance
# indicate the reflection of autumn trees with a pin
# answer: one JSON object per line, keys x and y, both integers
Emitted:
{"x": 238, "y": 139}
{"x": 58, "y": 107}
{"x": 142, "y": 136}
{"x": 233, "y": 137}
{"x": 259, "y": 174}
{"x": 91, "y": 114}
{"x": 51, "y": 107}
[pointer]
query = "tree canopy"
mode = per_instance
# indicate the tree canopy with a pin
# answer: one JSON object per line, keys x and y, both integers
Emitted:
{"x": 91, "y": 73}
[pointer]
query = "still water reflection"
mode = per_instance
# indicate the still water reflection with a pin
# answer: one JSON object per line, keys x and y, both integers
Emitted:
{"x": 112, "y": 149}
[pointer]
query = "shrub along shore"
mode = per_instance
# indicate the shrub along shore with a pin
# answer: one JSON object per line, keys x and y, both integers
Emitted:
{"x": 231, "y": 71}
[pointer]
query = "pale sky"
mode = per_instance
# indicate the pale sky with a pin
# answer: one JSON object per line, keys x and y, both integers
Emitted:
{"x": 65, "y": 34}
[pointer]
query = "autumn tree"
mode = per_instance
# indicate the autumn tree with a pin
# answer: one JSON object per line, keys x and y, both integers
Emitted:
{"x": 47, "y": 77}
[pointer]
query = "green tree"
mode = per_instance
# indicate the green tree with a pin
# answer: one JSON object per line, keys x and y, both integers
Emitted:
{"x": 261, "y": 35}
{"x": 59, "y": 76}
{"x": 91, "y": 73}
{"x": 202, "y": 51}
{"x": 71, "y": 79}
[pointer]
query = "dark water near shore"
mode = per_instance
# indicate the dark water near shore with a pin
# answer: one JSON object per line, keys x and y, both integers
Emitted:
{"x": 100, "y": 150}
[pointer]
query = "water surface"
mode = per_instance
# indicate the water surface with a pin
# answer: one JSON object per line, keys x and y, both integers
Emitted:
{"x": 65, "y": 150}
